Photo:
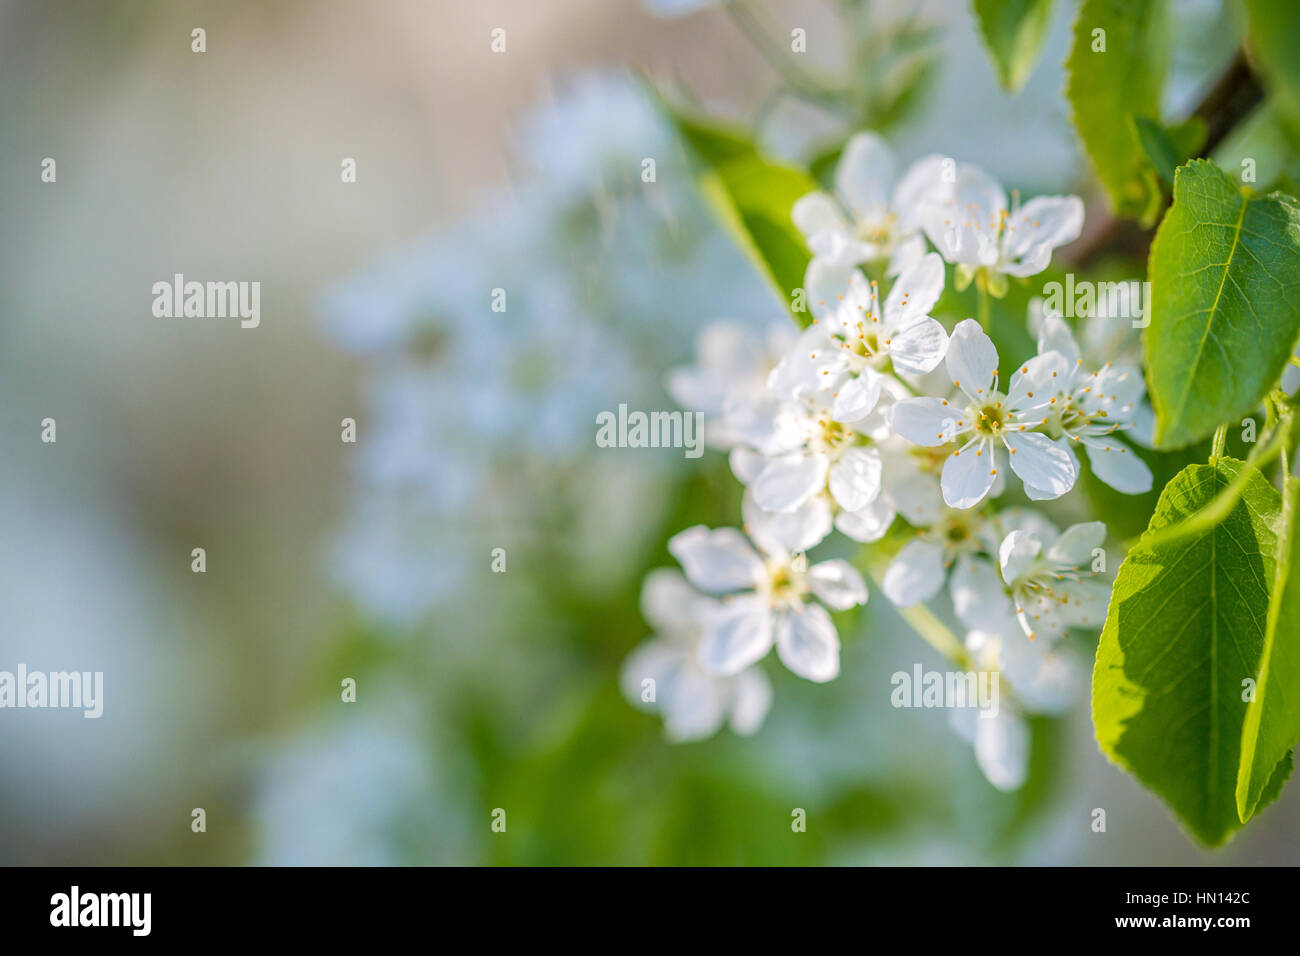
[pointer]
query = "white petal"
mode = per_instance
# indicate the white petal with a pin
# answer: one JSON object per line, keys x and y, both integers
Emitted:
{"x": 668, "y": 603}
{"x": 736, "y": 634}
{"x": 869, "y": 523}
{"x": 916, "y": 574}
{"x": 915, "y": 494}
{"x": 864, "y": 177}
{"x": 1088, "y": 602}
{"x": 654, "y": 660}
{"x": 837, "y": 584}
{"x": 826, "y": 283}
{"x": 692, "y": 705}
{"x": 968, "y": 475}
{"x": 972, "y": 359}
{"x": 919, "y": 348}
{"x": 922, "y": 184}
{"x": 751, "y": 698}
{"x": 914, "y": 293}
{"x": 807, "y": 643}
{"x": 1041, "y": 225}
{"x": 817, "y": 211}
{"x": 1035, "y": 382}
{"x": 786, "y": 482}
{"x": 907, "y": 253}
{"x": 978, "y": 597}
{"x": 924, "y": 421}
{"x": 1018, "y": 554}
{"x": 717, "y": 561}
{"x": 1114, "y": 463}
{"x": 746, "y": 464}
{"x": 803, "y": 366}
{"x": 855, "y": 398}
{"x": 1076, "y": 544}
{"x": 1054, "y": 335}
{"x": 1002, "y": 749}
{"x": 1041, "y": 462}
{"x": 799, "y": 530}
{"x": 964, "y": 226}
{"x": 855, "y": 478}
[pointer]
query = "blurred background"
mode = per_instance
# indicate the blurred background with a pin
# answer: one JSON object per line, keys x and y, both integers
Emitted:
{"x": 326, "y": 560}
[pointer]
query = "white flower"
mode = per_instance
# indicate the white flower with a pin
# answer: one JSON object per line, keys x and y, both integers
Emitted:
{"x": 806, "y": 451}
{"x": 694, "y": 702}
{"x": 1001, "y": 743}
{"x": 732, "y": 365}
{"x": 972, "y": 226}
{"x": 1051, "y": 581}
{"x": 853, "y": 345}
{"x": 871, "y": 217}
{"x": 992, "y": 419}
{"x": 1093, "y": 406}
{"x": 767, "y": 601}
{"x": 964, "y": 542}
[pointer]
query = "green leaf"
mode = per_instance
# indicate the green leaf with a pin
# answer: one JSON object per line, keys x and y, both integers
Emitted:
{"x": 1116, "y": 67}
{"x": 1273, "y": 720}
{"x": 1225, "y": 302}
{"x": 1013, "y": 31}
{"x": 1169, "y": 147}
{"x": 1186, "y": 626}
{"x": 1274, "y": 26}
{"x": 753, "y": 197}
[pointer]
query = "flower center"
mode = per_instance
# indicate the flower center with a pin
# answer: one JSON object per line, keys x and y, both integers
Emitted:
{"x": 990, "y": 418}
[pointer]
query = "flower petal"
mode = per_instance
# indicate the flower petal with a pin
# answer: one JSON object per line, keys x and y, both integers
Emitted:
{"x": 668, "y": 603}
{"x": 1076, "y": 544}
{"x": 1041, "y": 462}
{"x": 1054, "y": 335}
{"x": 855, "y": 478}
{"x": 788, "y": 481}
{"x": 1037, "y": 381}
{"x": 837, "y": 584}
{"x": 864, "y": 177}
{"x": 924, "y": 421}
{"x": 968, "y": 475}
{"x": 869, "y": 523}
{"x": 751, "y": 698}
{"x": 776, "y": 532}
{"x": 807, "y": 643}
{"x": 919, "y": 348}
{"x": 916, "y": 574}
{"x": 855, "y": 398}
{"x": 736, "y": 634}
{"x": 692, "y": 705}
{"x": 921, "y": 185}
{"x": 1018, "y": 554}
{"x": 1040, "y": 225}
{"x": 1114, "y": 463}
{"x": 914, "y": 293}
{"x": 817, "y": 211}
{"x": 717, "y": 561}
{"x": 978, "y": 597}
{"x": 1002, "y": 749}
{"x": 972, "y": 359}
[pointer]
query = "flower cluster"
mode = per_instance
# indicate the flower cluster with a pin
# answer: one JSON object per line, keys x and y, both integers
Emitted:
{"x": 878, "y": 417}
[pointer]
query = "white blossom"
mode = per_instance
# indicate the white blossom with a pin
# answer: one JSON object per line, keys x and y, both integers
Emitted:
{"x": 993, "y": 420}
{"x": 972, "y": 226}
{"x": 693, "y": 701}
{"x": 768, "y": 598}
{"x": 873, "y": 215}
{"x": 1052, "y": 584}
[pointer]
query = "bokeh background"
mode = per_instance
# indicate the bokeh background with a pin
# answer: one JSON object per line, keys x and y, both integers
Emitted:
{"x": 372, "y": 561}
